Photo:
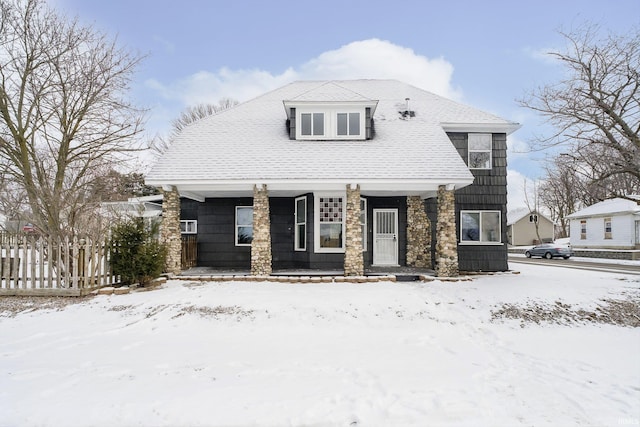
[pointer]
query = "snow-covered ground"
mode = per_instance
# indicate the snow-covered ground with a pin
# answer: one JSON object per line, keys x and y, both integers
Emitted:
{"x": 376, "y": 354}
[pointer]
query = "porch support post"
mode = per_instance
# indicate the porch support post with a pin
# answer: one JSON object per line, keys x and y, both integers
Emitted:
{"x": 353, "y": 259}
{"x": 418, "y": 234}
{"x": 170, "y": 230}
{"x": 261, "y": 243}
{"x": 446, "y": 244}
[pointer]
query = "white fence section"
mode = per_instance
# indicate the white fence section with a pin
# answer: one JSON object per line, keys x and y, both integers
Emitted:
{"x": 35, "y": 265}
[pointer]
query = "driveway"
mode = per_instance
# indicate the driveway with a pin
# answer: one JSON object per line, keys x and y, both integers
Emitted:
{"x": 625, "y": 267}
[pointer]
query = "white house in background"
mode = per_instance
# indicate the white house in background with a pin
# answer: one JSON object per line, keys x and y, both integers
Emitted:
{"x": 521, "y": 227}
{"x": 143, "y": 207}
{"x": 610, "y": 224}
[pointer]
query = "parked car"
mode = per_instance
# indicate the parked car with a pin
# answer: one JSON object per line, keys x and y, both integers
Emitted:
{"x": 550, "y": 250}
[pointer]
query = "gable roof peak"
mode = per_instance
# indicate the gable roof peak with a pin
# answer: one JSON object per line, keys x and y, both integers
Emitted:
{"x": 330, "y": 91}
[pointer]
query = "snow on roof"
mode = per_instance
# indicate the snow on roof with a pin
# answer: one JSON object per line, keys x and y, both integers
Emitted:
{"x": 250, "y": 142}
{"x": 610, "y": 206}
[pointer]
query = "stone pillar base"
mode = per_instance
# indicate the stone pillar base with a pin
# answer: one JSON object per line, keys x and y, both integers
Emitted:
{"x": 170, "y": 230}
{"x": 261, "y": 243}
{"x": 447, "y": 244}
{"x": 418, "y": 234}
{"x": 353, "y": 259}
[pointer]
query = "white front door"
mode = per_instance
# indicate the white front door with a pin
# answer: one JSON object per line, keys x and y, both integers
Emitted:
{"x": 385, "y": 237}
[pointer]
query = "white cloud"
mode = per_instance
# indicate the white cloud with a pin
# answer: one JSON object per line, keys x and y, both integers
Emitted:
{"x": 381, "y": 59}
{"x": 371, "y": 58}
{"x": 544, "y": 55}
{"x": 517, "y": 148}
{"x": 516, "y": 189}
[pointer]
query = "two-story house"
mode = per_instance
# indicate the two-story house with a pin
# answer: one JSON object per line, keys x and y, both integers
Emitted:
{"x": 340, "y": 175}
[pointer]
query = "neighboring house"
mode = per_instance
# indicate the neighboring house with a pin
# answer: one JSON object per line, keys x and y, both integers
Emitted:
{"x": 340, "y": 175}
{"x": 142, "y": 207}
{"x": 521, "y": 228}
{"x": 610, "y": 224}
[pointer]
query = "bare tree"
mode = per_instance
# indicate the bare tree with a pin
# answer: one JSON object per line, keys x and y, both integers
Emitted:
{"x": 160, "y": 144}
{"x": 595, "y": 110}
{"x": 64, "y": 115}
{"x": 533, "y": 206}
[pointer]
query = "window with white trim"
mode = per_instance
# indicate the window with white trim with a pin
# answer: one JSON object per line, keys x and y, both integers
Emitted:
{"x": 329, "y": 224}
{"x": 363, "y": 223}
{"x": 300, "y": 233}
{"x": 607, "y": 228}
{"x": 583, "y": 229}
{"x": 244, "y": 225}
{"x": 348, "y": 124}
{"x": 480, "y": 227}
{"x": 188, "y": 226}
{"x": 312, "y": 124}
{"x": 479, "y": 149}
{"x": 331, "y": 123}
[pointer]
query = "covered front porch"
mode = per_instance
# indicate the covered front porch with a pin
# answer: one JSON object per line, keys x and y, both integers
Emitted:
{"x": 348, "y": 230}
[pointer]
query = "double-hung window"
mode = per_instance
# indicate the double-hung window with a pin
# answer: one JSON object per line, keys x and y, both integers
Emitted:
{"x": 480, "y": 227}
{"x": 607, "y": 228}
{"x": 301, "y": 224}
{"x": 480, "y": 145}
{"x": 312, "y": 124}
{"x": 244, "y": 225}
{"x": 329, "y": 213}
{"x": 583, "y": 229}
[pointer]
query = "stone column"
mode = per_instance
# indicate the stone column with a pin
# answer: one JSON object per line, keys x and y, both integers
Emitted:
{"x": 418, "y": 234}
{"x": 261, "y": 243}
{"x": 446, "y": 244}
{"x": 170, "y": 230}
{"x": 353, "y": 259}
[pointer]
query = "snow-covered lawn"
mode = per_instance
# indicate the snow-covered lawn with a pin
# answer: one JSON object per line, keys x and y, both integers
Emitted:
{"x": 377, "y": 354}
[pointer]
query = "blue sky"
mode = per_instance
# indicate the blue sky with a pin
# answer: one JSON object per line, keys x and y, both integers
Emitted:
{"x": 483, "y": 53}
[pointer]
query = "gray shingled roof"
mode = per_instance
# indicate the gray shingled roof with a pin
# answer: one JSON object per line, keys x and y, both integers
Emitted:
{"x": 249, "y": 142}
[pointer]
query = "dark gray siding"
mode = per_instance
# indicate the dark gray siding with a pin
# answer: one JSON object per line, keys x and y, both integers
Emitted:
{"x": 216, "y": 233}
{"x": 488, "y": 192}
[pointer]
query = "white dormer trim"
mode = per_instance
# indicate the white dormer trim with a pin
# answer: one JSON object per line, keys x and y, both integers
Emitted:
{"x": 507, "y": 128}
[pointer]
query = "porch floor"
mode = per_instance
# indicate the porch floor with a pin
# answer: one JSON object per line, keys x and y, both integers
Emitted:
{"x": 401, "y": 273}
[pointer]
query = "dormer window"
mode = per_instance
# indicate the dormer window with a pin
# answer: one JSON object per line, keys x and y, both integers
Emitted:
{"x": 312, "y": 124}
{"x": 348, "y": 124}
{"x": 330, "y": 112}
{"x": 332, "y": 123}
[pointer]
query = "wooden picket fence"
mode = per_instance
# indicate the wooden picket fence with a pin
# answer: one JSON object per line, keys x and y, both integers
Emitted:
{"x": 43, "y": 266}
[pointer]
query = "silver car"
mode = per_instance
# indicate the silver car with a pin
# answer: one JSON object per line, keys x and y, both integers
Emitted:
{"x": 549, "y": 250}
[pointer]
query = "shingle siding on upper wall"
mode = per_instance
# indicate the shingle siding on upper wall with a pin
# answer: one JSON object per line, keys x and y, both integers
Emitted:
{"x": 488, "y": 192}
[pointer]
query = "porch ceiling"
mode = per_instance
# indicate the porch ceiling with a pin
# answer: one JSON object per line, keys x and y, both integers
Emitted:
{"x": 423, "y": 188}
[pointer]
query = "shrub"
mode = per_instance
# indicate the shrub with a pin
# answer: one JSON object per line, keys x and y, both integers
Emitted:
{"x": 136, "y": 254}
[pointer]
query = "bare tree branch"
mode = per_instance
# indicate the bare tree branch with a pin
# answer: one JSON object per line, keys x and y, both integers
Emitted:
{"x": 64, "y": 115}
{"x": 595, "y": 110}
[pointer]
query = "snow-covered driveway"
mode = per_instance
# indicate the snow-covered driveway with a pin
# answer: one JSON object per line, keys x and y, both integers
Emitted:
{"x": 238, "y": 353}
